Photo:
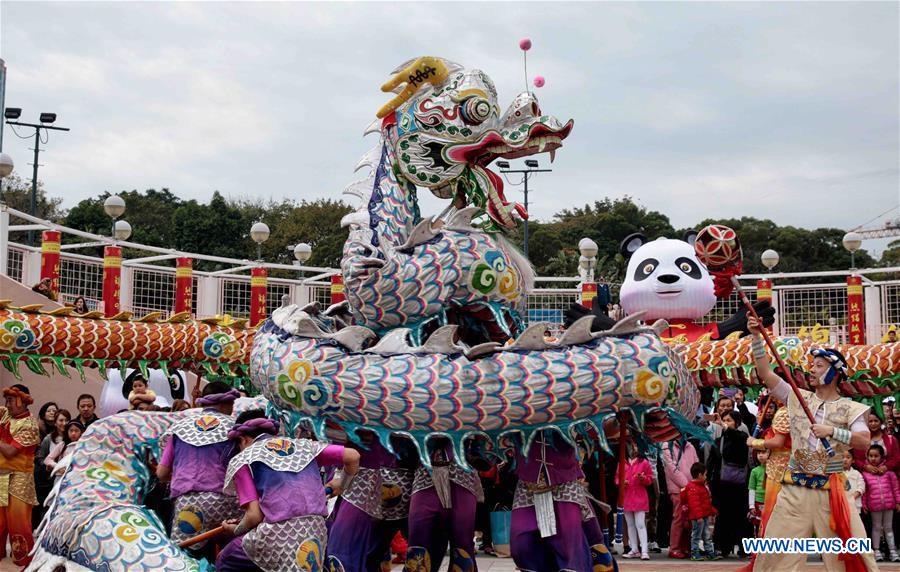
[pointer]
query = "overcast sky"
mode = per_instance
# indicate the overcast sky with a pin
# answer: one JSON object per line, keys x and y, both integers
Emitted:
{"x": 787, "y": 111}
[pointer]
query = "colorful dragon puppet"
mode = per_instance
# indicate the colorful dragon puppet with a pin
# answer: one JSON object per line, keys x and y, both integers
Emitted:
{"x": 431, "y": 341}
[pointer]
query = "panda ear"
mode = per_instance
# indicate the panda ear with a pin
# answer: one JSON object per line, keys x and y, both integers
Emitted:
{"x": 690, "y": 236}
{"x": 631, "y": 243}
{"x": 176, "y": 384}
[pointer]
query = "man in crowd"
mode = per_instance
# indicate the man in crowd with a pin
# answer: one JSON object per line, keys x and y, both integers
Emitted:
{"x": 86, "y": 407}
{"x": 812, "y": 500}
{"x": 194, "y": 461}
{"x": 19, "y": 437}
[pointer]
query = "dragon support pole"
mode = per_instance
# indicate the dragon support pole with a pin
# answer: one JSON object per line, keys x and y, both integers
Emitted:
{"x": 50, "y": 240}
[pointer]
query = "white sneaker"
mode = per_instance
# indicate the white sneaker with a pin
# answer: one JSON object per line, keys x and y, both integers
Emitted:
{"x": 645, "y": 556}
{"x": 632, "y": 554}
{"x": 895, "y": 557}
{"x": 878, "y": 556}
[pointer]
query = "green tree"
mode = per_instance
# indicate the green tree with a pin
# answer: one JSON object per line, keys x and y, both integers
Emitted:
{"x": 799, "y": 249}
{"x": 17, "y": 194}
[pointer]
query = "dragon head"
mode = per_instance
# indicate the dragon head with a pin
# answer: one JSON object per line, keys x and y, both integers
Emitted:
{"x": 447, "y": 127}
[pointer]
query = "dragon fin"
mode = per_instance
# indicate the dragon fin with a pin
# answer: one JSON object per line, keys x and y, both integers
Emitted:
{"x": 483, "y": 349}
{"x": 579, "y": 332}
{"x": 353, "y": 337}
{"x": 630, "y": 324}
{"x": 441, "y": 342}
{"x": 532, "y": 339}
{"x": 370, "y": 159}
{"x": 395, "y": 342}
{"x": 422, "y": 233}
{"x": 660, "y": 326}
{"x": 462, "y": 219}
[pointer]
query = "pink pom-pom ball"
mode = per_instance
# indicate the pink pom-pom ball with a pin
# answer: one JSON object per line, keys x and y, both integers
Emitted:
{"x": 525, "y": 44}
{"x": 539, "y": 81}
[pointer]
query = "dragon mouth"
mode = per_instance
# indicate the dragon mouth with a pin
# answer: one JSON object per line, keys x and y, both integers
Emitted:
{"x": 539, "y": 138}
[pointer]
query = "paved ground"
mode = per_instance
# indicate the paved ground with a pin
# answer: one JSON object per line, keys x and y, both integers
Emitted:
{"x": 658, "y": 563}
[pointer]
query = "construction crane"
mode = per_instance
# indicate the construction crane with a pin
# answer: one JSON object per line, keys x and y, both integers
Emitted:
{"x": 891, "y": 228}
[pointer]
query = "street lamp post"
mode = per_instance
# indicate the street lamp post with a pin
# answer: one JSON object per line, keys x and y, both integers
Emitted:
{"x": 114, "y": 207}
{"x": 769, "y": 259}
{"x": 852, "y": 241}
{"x": 259, "y": 232}
{"x": 588, "y": 260}
{"x": 46, "y": 119}
{"x": 531, "y": 168}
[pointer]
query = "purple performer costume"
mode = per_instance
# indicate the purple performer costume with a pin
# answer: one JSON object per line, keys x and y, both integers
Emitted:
{"x": 197, "y": 453}
{"x": 443, "y": 508}
{"x": 371, "y": 510}
{"x": 550, "y": 510}
{"x": 283, "y": 476}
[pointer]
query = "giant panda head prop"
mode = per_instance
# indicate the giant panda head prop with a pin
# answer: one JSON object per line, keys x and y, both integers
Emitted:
{"x": 665, "y": 280}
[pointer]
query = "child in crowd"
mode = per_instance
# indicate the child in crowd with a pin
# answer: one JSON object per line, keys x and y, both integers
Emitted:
{"x": 58, "y": 452}
{"x": 855, "y": 484}
{"x": 881, "y": 498}
{"x": 756, "y": 489}
{"x": 140, "y": 394}
{"x": 638, "y": 476}
{"x": 697, "y": 503}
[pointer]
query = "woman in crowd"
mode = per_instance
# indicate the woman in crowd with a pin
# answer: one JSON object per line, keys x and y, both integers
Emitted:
{"x": 47, "y": 418}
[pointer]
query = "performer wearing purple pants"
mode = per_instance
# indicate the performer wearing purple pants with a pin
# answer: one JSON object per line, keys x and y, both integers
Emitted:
{"x": 279, "y": 486}
{"x": 443, "y": 508}
{"x": 194, "y": 462}
{"x": 367, "y": 515}
{"x": 550, "y": 511}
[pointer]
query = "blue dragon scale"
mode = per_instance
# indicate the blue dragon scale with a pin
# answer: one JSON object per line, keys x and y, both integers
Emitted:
{"x": 431, "y": 340}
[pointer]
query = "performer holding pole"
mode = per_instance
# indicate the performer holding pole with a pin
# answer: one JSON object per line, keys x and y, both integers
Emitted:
{"x": 812, "y": 500}
{"x": 194, "y": 463}
{"x": 279, "y": 486}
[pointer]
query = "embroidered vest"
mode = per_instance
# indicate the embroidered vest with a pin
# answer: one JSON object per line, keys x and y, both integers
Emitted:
{"x": 778, "y": 458}
{"x": 839, "y": 413}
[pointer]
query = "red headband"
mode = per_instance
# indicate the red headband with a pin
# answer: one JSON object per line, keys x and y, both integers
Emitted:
{"x": 16, "y": 392}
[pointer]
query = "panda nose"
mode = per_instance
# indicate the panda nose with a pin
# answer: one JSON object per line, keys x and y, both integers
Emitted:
{"x": 667, "y": 278}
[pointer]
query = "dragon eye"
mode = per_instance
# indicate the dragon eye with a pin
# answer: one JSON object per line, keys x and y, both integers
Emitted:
{"x": 475, "y": 110}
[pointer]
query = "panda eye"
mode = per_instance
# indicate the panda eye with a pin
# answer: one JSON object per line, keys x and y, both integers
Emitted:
{"x": 646, "y": 268}
{"x": 689, "y": 267}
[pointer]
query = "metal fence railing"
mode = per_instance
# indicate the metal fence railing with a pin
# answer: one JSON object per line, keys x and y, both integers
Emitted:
{"x": 814, "y": 310}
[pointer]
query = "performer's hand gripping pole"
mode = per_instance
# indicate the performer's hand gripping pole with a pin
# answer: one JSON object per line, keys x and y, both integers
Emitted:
{"x": 787, "y": 376}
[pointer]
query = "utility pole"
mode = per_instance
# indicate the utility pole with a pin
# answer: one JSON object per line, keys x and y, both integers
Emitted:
{"x": 531, "y": 168}
{"x": 46, "y": 120}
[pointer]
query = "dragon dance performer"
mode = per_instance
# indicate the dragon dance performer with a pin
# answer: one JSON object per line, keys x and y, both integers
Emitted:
{"x": 442, "y": 508}
{"x": 194, "y": 462}
{"x": 19, "y": 437}
{"x": 812, "y": 498}
{"x": 550, "y": 508}
{"x": 279, "y": 486}
{"x": 371, "y": 510}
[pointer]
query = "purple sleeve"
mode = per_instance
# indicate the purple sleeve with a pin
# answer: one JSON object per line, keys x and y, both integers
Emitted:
{"x": 243, "y": 484}
{"x": 331, "y": 455}
{"x": 168, "y": 455}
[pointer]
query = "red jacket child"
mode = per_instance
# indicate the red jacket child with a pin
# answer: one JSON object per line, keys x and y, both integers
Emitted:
{"x": 695, "y": 496}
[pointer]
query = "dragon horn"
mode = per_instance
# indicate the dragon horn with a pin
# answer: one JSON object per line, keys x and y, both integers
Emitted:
{"x": 426, "y": 69}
